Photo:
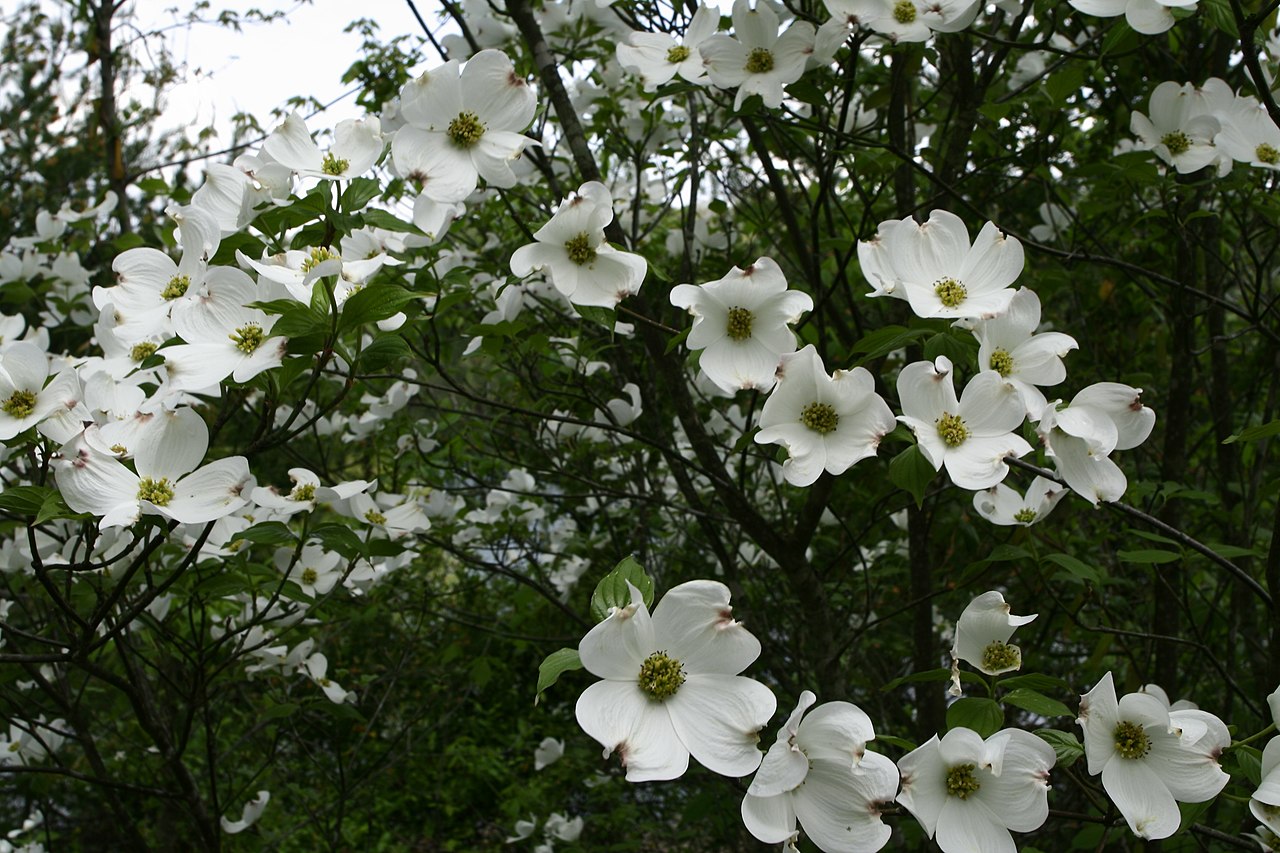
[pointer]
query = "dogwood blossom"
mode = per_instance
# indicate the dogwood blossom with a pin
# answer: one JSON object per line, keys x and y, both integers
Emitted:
{"x": 1178, "y": 132}
{"x": 755, "y": 59}
{"x": 1265, "y": 802}
{"x": 1149, "y": 17}
{"x": 658, "y": 57}
{"x": 1004, "y": 506}
{"x": 1104, "y": 417}
{"x": 572, "y": 249}
{"x": 671, "y": 686}
{"x": 357, "y": 145}
{"x": 968, "y": 793}
{"x": 972, "y": 435}
{"x": 741, "y": 324}
{"x": 1151, "y": 758}
{"x": 983, "y": 632}
{"x": 1009, "y": 345}
{"x": 25, "y": 398}
{"x": 827, "y": 423}
{"x": 820, "y": 773}
{"x": 906, "y": 20}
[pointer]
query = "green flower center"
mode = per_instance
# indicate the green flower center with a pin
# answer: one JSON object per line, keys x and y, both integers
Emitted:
{"x": 1131, "y": 740}
{"x": 950, "y": 292}
{"x": 679, "y": 53}
{"x": 332, "y": 165}
{"x": 375, "y": 517}
{"x": 143, "y": 351}
{"x": 1177, "y": 142}
{"x": 951, "y": 429}
{"x": 580, "y": 250}
{"x": 248, "y": 338}
{"x": 176, "y": 287}
{"x": 1026, "y": 515}
{"x": 1002, "y": 362}
{"x": 318, "y": 255}
{"x": 997, "y": 656}
{"x": 661, "y": 676}
{"x": 740, "y": 324}
{"x": 960, "y": 781}
{"x": 759, "y": 61}
{"x": 904, "y": 12}
{"x": 158, "y": 492}
{"x": 21, "y": 404}
{"x": 1267, "y": 154}
{"x": 820, "y": 418}
{"x": 309, "y": 577}
{"x": 466, "y": 130}
{"x": 303, "y": 493}
{"x": 15, "y": 746}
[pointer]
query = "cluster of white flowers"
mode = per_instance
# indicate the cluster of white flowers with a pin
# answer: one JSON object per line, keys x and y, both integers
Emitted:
{"x": 1191, "y": 127}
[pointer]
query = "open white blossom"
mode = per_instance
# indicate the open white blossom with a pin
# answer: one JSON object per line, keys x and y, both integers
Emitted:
{"x": 983, "y": 632}
{"x": 658, "y": 57}
{"x": 755, "y": 59}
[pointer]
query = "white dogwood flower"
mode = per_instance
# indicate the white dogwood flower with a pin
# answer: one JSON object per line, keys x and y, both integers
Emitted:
{"x": 658, "y": 57}
{"x": 1004, "y": 506}
{"x": 671, "y": 686}
{"x": 357, "y": 145}
{"x": 1009, "y": 345}
{"x": 983, "y": 632}
{"x": 827, "y": 423}
{"x": 755, "y": 59}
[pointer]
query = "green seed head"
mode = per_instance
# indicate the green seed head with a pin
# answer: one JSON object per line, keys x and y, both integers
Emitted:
{"x": 176, "y": 287}
{"x": 1131, "y": 740}
{"x": 143, "y": 351}
{"x": 1026, "y": 515}
{"x": 1177, "y": 142}
{"x": 740, "y": 324}
{"x": 334, "y": 165}
{"x": 819, "y": 417}
{"x": 960, "y": 781}
{"x": 158, "y": 492}
{"x": 1000, "y": 656}
{"x": 317, "y": 256}
{"x": 303, "y": 493}
{"x": 1267, "y": 154}
{"x": 950, "y": 292}
{"x": 660, "y": 676}
{"x": 952, "y": 430}
{"x": 679, "y": 53}
{"x": 1002, "y": 362}
{"x": 21, "y": 404}
{"x": 759, "y": 61}
{"x": 904, "y": 12}
{"x": 580, "y": 250}
{"x": 466, "y": 130}
{"x": 309, "y": 577}
{"x": 248, "y": 338}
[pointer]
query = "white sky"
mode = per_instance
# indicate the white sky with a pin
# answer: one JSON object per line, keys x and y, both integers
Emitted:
{"x": 257, "y": 69}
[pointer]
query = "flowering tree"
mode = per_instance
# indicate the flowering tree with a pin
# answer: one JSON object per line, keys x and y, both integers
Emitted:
{"x": 634, "y": 374}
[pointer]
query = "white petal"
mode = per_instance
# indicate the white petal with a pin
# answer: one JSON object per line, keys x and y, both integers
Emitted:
{"x": 770, "y": 819}
{"x": 623, "y": 719}
{"x": 1141, "y": 795}
{"x": 719, "y": 717}
{"x": 694, "y": 624}
{"x": 836, "y": 807}
{"x": 616, "y": 647}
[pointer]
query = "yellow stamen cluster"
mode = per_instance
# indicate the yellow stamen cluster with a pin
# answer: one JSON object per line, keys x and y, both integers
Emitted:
{"x": 950, "y": 292}
{"x": 466, "y": 130}
{"x": 1131, "y": 740}
{"x": 580, "y": 250}
{"x": 21, "y": 404}
{"x": 1026, "y": 515}
{"x": 660, "y": 676}
{"x": 1267, "y": 154}
{"x": 309, "y": 577}
{"x": 759, "y": 61}
{"x": 375, "y": 517}
{"x": 335, "y": 166}
{"x": 820, "y": 417}
{"x": 318, "y": 255}
{"x": 1002, "y": 362}
{"x": 739, "y": 328}
{"x": 951, "y": 429}
{"x": 1000, "y": 656}
{"x": 1177, "y": 142}
{"x": 677, "y": 54}
{"x": 176, "y": 287}
{"x": 304, "y": 492}
{"x": 248, "y": 338}
{"x": 143, "y": 351}
{"x": 960, "y": 781}
{"x": 904, "y": 12}
{"x": 158, "y": 492}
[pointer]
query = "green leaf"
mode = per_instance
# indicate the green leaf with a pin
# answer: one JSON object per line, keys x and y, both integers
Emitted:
{"x": 676, "y": 340}
{"x": 901, "y": 743}
{"x": 931, "y": 675}
{"x": 1148, "y": 556}
{"x": 275, "y": 712}
{"x": 358, "y": 194}
{"x": 1248, "y": 763}
{"x": 1220, "y": 15}
{"x": 1064, "y": 83}
{"x": 374, "y": 303}
{"x": 381, "y": 219}
{"x": 960, "y": 349}
{"x": 606, "y": 317}
{"x": 553, "y": 666}
{"x": 384, "y": 351}
{"x": 267, "y": 533}
{"x": 909, "y": 470}
{"x": 1036, "y": 703}
{"x": 1065, "y": 746}
{"x": 884, "y": 341}
{"x": 24, "y": 500}
{"x": 612, "y": 590}
{"x": 337, "y": 537}
{"x": 1121, "y": 38}
{"x": 55, "y": 507}
{"x": 1007, "y": 554}
{"x": 984, "y": 716}
{"x": 1232, "y": 551}
{"x": 1034, "y": 681}
{"x": 1254, "y": 433}
{"x": 1074, "y": 566}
